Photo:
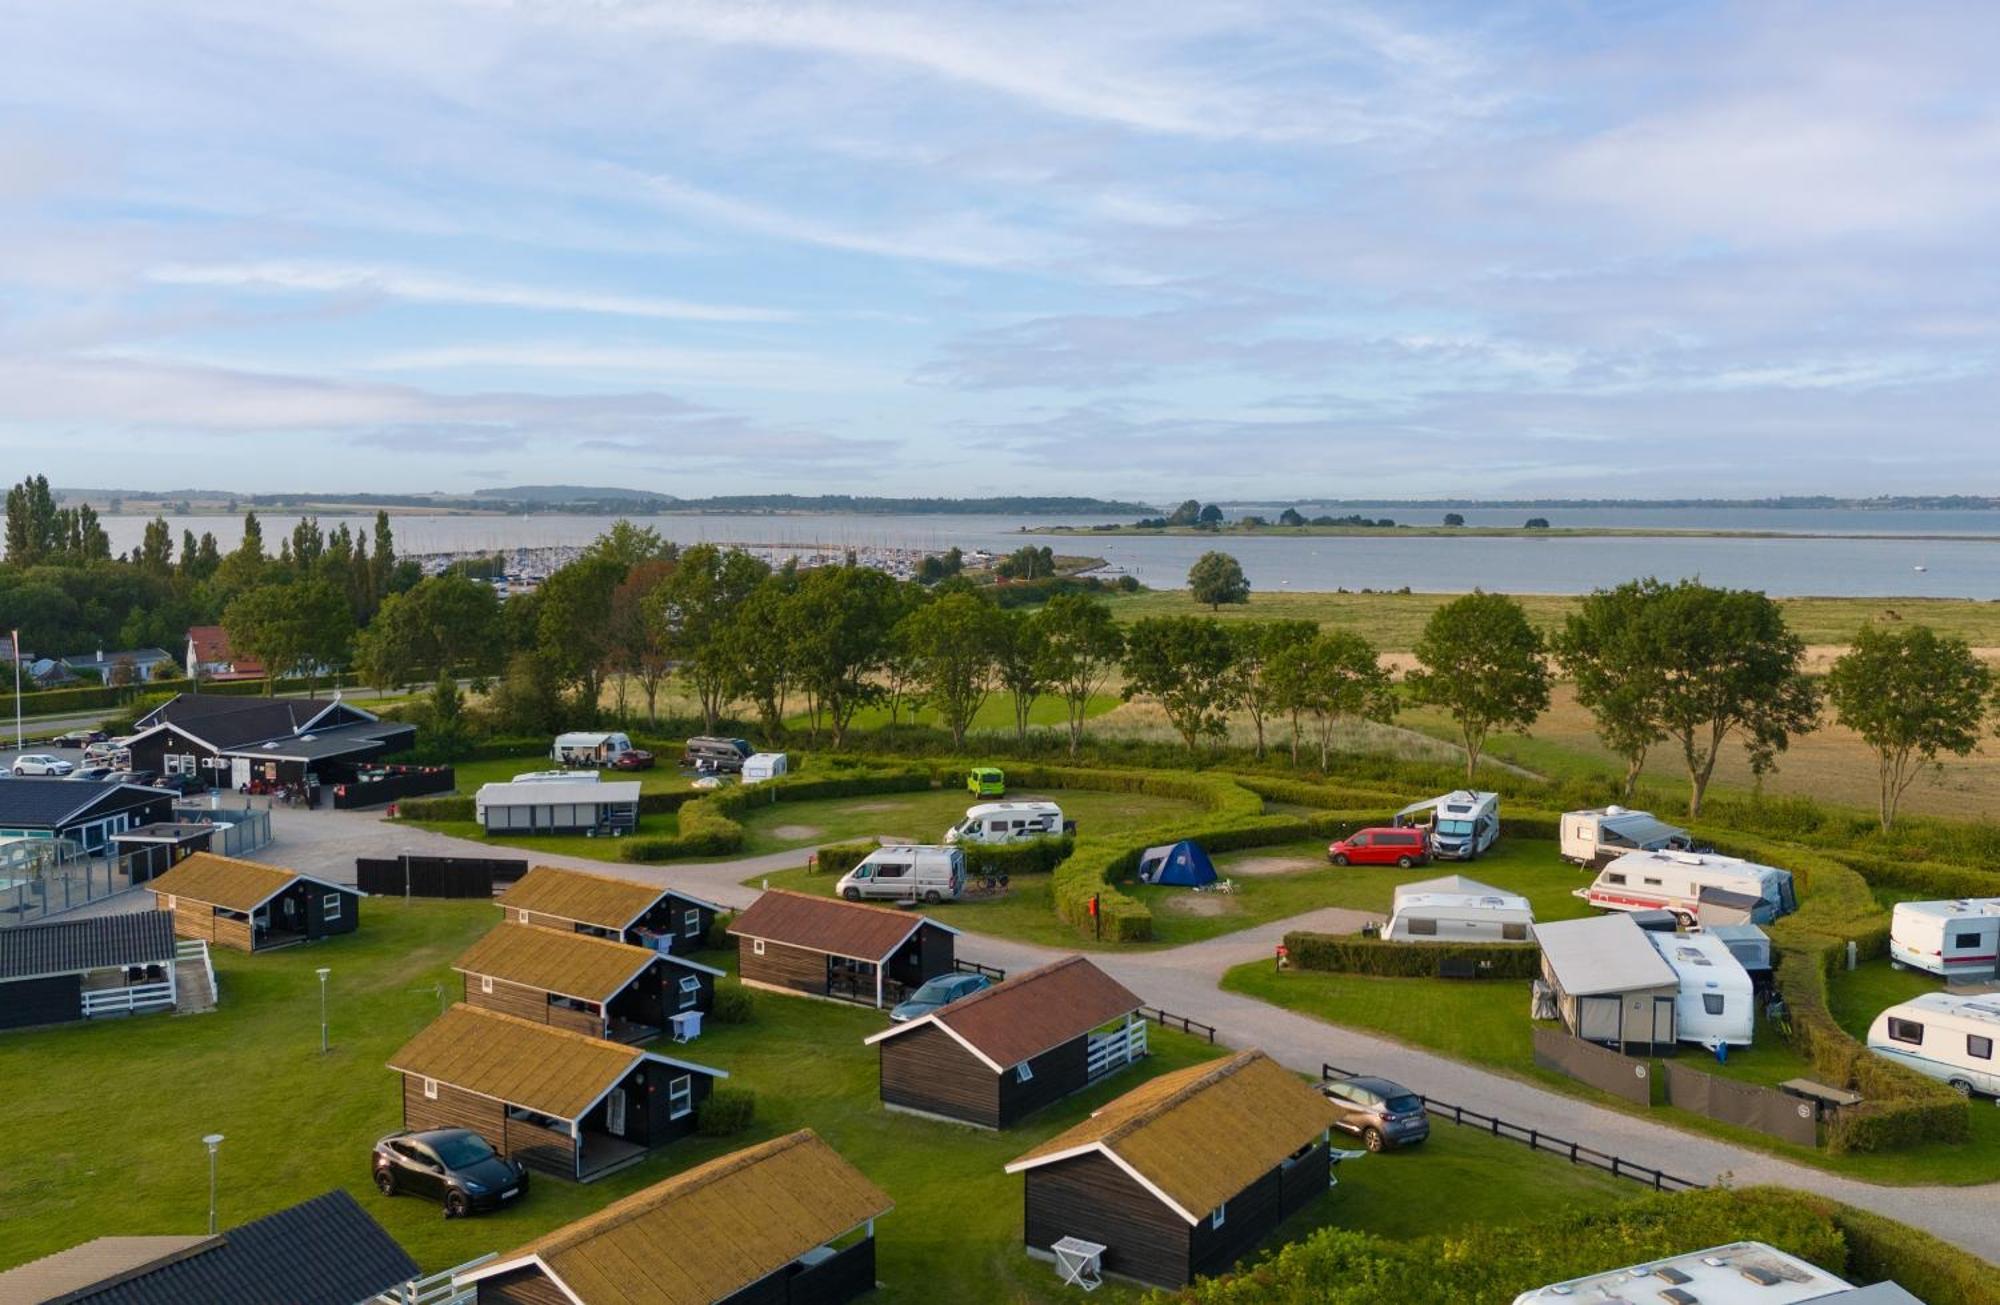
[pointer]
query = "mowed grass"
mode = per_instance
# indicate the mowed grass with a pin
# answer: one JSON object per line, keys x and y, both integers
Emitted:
{"x": 924, "y": 817}
{"x": 1857, "y": 996}
{"x": 659, "y": 824}
{"x": 1528, "y": 866}
{"x": 109, "y": 1116}
{"x": 664, "y": 777}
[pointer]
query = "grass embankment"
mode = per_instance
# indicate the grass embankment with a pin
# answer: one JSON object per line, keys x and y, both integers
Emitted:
{"x": 108, "y": 1120}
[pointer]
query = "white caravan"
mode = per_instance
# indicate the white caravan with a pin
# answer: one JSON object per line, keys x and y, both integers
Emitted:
{"x": 1954, "y": 940}
{"x": 1007, "y": 822}
{"x": 1456, "y": 909}
{"x": 1741, "y": 1273}
{"x": 1591, "y": 838}
{"x": 906, "y": 873}
{"x": 1947, "y": 1037}
{"x": 1700, "y": 888}
{"x": 1461, "y": 824}
{"x": 761, "y": 766}
{"x": 1716, "y": 1002}
{"x": 588, "y": 748}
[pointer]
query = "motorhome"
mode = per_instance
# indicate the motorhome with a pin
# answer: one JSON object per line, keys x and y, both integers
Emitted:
{"x": 906, "y": 873}
{"x": 1591, "y": 838}
{"x": 588, "y": 748}
{"x": 1007, "y": 822}
{"x": 1461, "y": 824}
{"x": 1716, "y": 1003}
{"x": 713, "y": 755}
{"x": 1700, "y": 888}
{"x": 1944, "y": 1036}
{"x": 1456, "y": 909}
{"x": 1954, "y": 940}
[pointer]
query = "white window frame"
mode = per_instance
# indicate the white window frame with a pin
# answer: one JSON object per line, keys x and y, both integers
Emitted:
{"x": 690, "y": 988}
{"x": 430, "y": 1089}
{"x": 329, "y": 906}
{"x": 756, "y": 946}
{"x": 520, "y": 915}
{"x": 486, "y": 983}
{"x": 171, "y": 899}
{"x": 1898, "y": 1026}
{"x": 1024, "y": 1073}
{"x": 680, "y": 1097}
{"x": 1218, "y": 1216}
{"x": 691, "y": 922}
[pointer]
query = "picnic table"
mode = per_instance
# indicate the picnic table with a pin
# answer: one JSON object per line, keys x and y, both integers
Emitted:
{"x": 1820, "y": 1094}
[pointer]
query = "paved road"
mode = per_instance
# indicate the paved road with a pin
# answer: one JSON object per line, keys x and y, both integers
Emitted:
{"x": 1184, "y": 980}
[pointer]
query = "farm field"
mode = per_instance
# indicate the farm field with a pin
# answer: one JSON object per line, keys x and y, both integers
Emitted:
{"x": 297, "y": 1123}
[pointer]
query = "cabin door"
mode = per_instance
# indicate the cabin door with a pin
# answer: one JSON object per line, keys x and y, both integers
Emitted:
{"x": 614, "y": 1113}
{"x": 239, "y": 772}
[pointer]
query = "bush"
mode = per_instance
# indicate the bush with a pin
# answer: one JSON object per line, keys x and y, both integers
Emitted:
{"x": 733, "y": 1004}
{"x": 1036, "y": 856}
{"x": 436, "y": 808}
{"x": 717, "y": 936}
{"x": 726, "y": 1112}
{"x": 839, "y": 858}
{"x": 1881, "y": 1249}
{"x": 1354, "y": 954}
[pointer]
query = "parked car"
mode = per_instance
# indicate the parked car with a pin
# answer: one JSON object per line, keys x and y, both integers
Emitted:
{"x": 455, "y": 1165}
{"x": 92, "y": 773}
{"x": 633, "y": 759}
{"x": 1380, "y": 1112}
{"x": 938, "y": 993}
{"x": 78, "y": 739}
{"x": 149, "y": 778}
{"x": 42, "y": 763}
{"x": 986, "y": 781}
{"x": 184, "y": 784}
{"x": 906, "y": 873}
{"x": 1384, "y": 846}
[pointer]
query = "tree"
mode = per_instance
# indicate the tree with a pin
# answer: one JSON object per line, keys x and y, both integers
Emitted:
{"x": 638, "y": 642}
{"x": 156, "y": 549}
{"x": 31, "y": 522}
{"x": 1209, "y": 516}
{"x": 445, "y": 734}
{"x": 1188, "y": 665}
{"x": 1291, "y": 517}
{"x": 1258, "y": 646}
{"x": 629, "y": 545}
{"x": 1081, "y": 646}
{"x": 383, "y": 568}
{"x": 1186, "y": 514}
{"x": 296, "y": 628}
{"x": 1454, "y": 518}
{"x": 695, "y": 606}
{"x": 1603, "y": 648}
{"x": 952, "y": 642}
{"x": 1480, "y": 660}
{"x": 444, "y": 625}
{"x": 573, "y": 626}
{"x": 1332, "y": 676}
{"x": 1217, "y": 578}
{"x": 1537, "y": 523}
{"x": 1912, "y": 695}
{"x": 840, "y": 627}
{"x": 1027, "y": 563}
{"x": 763, "y": 643}
{"x": 1021, "y": 664}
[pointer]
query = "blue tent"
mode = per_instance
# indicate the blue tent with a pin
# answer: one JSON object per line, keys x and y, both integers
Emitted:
{"x": 1182, "y": 865}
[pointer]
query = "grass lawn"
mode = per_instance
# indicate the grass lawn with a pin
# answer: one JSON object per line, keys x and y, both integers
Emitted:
{"x": 297, "y": 1123}
{"x": 664, "y": 777}
{"x": 1528, "y": 866}
{"x": 924, "y": 817}
{"x": 1857, "y": 996}
{"x": 654, "y": 824}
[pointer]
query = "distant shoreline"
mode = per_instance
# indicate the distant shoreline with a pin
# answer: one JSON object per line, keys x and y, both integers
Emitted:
{"x": 1482, "y": 532}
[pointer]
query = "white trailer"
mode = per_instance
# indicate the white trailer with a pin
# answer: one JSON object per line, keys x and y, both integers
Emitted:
{"x": 1741, "y": 1273}
{"x": 1591, "y": 838}
{"x": 1461, "y": 824}
{"x": 1700, "y": 888}
{"x": 1954, "y": 940}
{"x": 589, "y": 748}
{"x": 1943, "y": 1036}
{"x": 1007, "y": 822}
{"x": 761, "y": 766}
{"x": 1456, "y": 909}
{"x": 1716, "y": 1003}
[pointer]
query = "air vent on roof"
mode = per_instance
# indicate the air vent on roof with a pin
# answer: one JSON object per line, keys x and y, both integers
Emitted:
{"x": 1692, "y": 956}
{"x": 1673, "y": 1275}
{"x": 1714, "y": 1261}
{"x": 1760, "y": 1275}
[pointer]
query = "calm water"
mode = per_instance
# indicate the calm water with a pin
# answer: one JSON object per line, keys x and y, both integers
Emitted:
{"x": 1955, "y": 568}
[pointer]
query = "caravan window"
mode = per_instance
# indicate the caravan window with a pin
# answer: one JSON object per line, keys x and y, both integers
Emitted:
{"x": 890, "y": 870}
{"x": 1977, "y": 1047}
{"x": 1514, "y": 932}
{"x": 1965, "y": 940}
{"x": 1614, "y": 879}
{"x": 1712, "y": 1002}
{"x": 1423, "y": 926}
{"x": 1906, "y": 1031}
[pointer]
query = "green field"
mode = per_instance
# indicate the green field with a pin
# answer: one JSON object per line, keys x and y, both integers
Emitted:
{"x": 1528, "y": 866}
{"x": 924, "y": 817}
{"x": 660, "y": 824}
{"x": 995, "y": 715}
{"x": 109, "y": 1116}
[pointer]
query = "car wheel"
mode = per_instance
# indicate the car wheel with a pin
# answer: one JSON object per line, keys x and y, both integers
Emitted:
{"x": 385, "y": 1181}
{"x": 932, "y": 897}
{"x": 851, "y": 894}
{"x": 1962, "y": 1087}
{"x": 1340, "y": 858}
{"x": 1404, "y": 862}
{"x": 1372, "y": 1139}
{"x": 456, "y": 1206}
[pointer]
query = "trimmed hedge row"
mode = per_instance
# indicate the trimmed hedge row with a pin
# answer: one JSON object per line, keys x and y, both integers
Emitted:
{"x": 708, "y": 824}
{"x": 1354, "y": 954}
{"x": 436, "y": 808}
{"x": 1881, "y": 1249}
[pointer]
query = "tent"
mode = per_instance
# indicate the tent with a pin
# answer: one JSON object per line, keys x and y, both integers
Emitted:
{"x": 1183, "y": 865}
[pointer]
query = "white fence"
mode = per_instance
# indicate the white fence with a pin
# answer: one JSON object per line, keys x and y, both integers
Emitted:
{"x": 440, "y": 1288}
{"x": 1116, "y": 1049}
{"x": 196, "y": 949}
{"x": 128, "y": 1000}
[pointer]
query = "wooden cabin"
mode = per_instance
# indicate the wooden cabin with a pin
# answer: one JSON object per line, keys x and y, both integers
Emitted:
{"x": 826, "y": 947}
{"x": 251, "y": 906}
{"x": 785, "y": 1222}
{"x": 1183, "y": 1175}
{"x": 581, "y": 982}
{"x": 645, "y": 915}
{"x": 999, "y": 1055}
{"x": 563, "y": 1102}
{"x": 68, "y": 970}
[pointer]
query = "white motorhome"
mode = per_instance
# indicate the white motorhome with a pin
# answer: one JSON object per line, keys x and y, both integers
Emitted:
{"x": 1700, "y": 888}
{"x": 906, "y": 873}
{"x": 1716, "y": 1003}
{"x": 1591, "y": 838}
{"x": 1946, "y": 1037}
{"x": 1461, "y": 824}
{"x": 1007, "y": 822}
{"x": 1953, "y": 940}
{"x": 588, "y": 748}
{"x": 1741, "y": 1273}
{"x": 1456, "y": 909}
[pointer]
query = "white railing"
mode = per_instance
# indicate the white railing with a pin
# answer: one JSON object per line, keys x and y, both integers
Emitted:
{"x": 124, "y": 1001}
{"x": 440, "y": 1288}
{"x": 196, "y": 949}
{"x": 1115, "y": 1050}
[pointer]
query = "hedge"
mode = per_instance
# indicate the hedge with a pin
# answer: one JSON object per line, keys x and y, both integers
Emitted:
{"x": 839, "y": 858}
{"x": 436, "y": 808}
{"x": 733, "y": 1004}
{"x": 726, "y": 1112}
{"x": 708, "y": 824}
{"x": 1354, "y": 954}
{"x": 1881, "y": 1249}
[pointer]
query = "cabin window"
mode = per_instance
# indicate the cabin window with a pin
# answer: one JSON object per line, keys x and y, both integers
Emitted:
{"x": 1977, "y": 1047}
{"x": 1712, "y": 1002}
{"x": 430, "y": 1089}
{"x": 690, "y": 992}
{"x": 520, "y": 916}
{"x": 170, "y": 901}
{"x": 1965, "y": 940}
{"x": 1909, "y": 1031}
{"x": 1024, "y": 1073}
{"x": 691, "y": 923}
{"x": 1514, "y": 932}
{"x": 757, "y": 946}
{"x": 680, "y": 1097}
{"x": 1220, "y": 1215}
{"x": 1423, "y": 926}
{"x": 329, "y": 907}
{"x": 486, "y": 983}
{"x": 535, "y": 1119}
{"x": 1614, "y": 879}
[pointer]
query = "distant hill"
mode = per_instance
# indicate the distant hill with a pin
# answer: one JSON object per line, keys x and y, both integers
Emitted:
{"x": 1017, "y": 505}
{"x": 547, "y": 494}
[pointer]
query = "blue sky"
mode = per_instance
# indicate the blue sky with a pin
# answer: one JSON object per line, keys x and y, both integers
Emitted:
{"x": 1239, "y": 249}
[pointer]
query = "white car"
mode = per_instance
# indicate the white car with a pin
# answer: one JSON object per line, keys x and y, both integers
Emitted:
{"x": 41, "y": 763}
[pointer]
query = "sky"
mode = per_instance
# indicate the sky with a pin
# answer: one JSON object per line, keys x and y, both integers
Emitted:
{"x": 1253, "y": 248}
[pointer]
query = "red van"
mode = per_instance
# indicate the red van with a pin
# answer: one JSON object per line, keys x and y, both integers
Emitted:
{"x": 1403, "y": 847}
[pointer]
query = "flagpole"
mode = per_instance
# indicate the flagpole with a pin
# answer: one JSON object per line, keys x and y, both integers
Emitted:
{"x": 18, "y": 744}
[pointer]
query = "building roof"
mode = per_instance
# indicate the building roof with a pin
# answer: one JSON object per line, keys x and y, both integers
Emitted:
{"x": 1030, "y": 1013}
{"x": 211, "y": 644}
{"x": 1603, "y": 953}
{"x": 231, "y": 883}
{"x": 577, "y": 965}
{"x": 73, "y": 946}
{"x": 40, "y": 802}
{"x": 336, "y": 742}
{"x": 98, "y": 658}
{"x": 1454, "y": 884}
{"x": 1198, "y": 1136}
{"x": 543, "y": 793}
{"x": 1954, "y": 908}
{"x": 829, "y": 924}
{"x": 229, "y": 721}
{"x": 325, "y": 1251}
{"x": 602, "y": 900}
{"x": 708, "y": 1232}
{"x": 523, "y": 1063}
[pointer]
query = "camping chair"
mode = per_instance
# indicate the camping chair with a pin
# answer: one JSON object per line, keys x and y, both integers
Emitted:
{"x": 1335, "y": 1159}
{"x": 1079, "y": 1262}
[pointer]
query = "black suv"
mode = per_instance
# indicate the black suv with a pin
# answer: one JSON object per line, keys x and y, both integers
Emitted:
{"x": 1379, "y": 1112}
{"x": 455, "y": 1165}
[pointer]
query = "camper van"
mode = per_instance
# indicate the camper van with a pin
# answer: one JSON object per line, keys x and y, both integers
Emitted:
{"x": 588, "y": 748}
{"x": 1953, "y": 940}
{"x": 1461, "y": 824}
{"x": 1715, "y": 1004}
{"x": 713, "y": 755}
{"x": 1007, "y": 822}
{"x": 906, "y": 873}
{"x": 1946, "y": 1037}
{"x": 1699, "y": 888}
{"x": 1592, "y": 838}
{"x": 1456, "y": 909}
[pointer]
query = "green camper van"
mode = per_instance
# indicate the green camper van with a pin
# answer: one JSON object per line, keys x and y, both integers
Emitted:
{"x": 986, "y": 781}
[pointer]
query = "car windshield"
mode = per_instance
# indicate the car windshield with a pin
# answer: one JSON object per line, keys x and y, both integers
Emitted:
{"x": 458, "y": 1150}
{"x": 1405, "y": 1104}
{"x": 938, "y": 991}
{"x": 1455, "y": 827}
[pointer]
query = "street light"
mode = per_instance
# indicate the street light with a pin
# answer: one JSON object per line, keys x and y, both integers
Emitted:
{"x": 323, "y": 972}
{"x": 212, "y": 1142}
{"x": 406, "y": 876}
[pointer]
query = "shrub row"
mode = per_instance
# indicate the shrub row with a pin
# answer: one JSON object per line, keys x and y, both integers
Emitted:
{"x": 1880, "y": 1249}
{"x": 708, "y": 821}
{"x": 726, "y": 1111}
{"x": 435, "y": 808}
{"x": 1354, "y": 954}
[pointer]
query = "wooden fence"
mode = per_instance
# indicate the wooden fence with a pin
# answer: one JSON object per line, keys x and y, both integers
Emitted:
{"x": 1168, "y": 1020}
{"x": 1747, "y": 1105}
{"x": 436, "y": 876}
{"x": 1630, "y": 1077}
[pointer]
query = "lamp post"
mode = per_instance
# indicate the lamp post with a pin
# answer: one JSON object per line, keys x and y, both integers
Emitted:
{"x": 213, "y": 1141}
{"x": 323, "y": 972}
{"x": 406, "y": 876}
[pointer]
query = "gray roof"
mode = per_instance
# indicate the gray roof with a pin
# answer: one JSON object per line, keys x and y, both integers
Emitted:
{"x": 1882, "y": 1293}
{"x": 1606, "y": 953}
{"x": 95, "y": 660}
{"x": 602, "y": 793}
{"x": 72, "y": 946}
{"x": 41, "y": 802}
{"x": 1453, "y": 884}
{"x": 335, "y": 742}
